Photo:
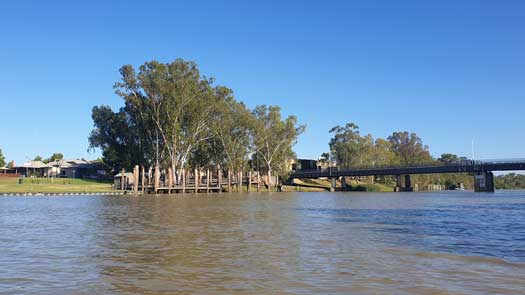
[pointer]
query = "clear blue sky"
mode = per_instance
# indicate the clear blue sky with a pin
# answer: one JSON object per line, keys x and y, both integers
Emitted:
{"x": 448, "y": 70}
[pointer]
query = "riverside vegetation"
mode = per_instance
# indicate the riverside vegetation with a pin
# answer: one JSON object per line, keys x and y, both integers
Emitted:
{"x": 174, "y": 117}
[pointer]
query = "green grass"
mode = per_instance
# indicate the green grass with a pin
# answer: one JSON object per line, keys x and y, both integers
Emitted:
{"x": 56, "y": 185}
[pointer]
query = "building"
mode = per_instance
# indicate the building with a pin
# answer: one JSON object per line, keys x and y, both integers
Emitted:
{"x": 74, "y": 168}
{"x": 305, "y": 165}
{"x": 33, "y": 168}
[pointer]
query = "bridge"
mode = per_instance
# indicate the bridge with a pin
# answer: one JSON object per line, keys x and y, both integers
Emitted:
{"x": 482, "y": 172}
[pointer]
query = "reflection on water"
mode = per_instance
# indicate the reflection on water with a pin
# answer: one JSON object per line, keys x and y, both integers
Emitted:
{"x": 288, "y": 243}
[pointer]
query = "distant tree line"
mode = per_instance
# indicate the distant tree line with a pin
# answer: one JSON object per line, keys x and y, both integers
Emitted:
{"x": 54, "y": 157}
{"x": 350, "y": 149}
{"x": 175, "y": 117}
{"x": 2, "y": 159}
{"x": 510, "y": 181}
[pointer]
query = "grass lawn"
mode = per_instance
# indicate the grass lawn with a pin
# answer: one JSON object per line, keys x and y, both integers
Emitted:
{"x": 56, "y": 185}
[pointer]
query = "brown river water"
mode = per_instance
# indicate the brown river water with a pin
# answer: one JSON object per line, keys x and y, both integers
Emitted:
{"x": 284, "y": 243}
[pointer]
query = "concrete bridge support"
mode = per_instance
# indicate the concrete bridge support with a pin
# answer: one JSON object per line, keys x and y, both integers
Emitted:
{"x": 484, "y": 182}
{"x": 403, "y": 187}
{"x": 408, "y": 184}
{"x": 333, "y": 184}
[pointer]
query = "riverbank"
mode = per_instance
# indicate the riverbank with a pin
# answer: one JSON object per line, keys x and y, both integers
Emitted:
{"x": 324, "y": 185}
{"x": 72, "y": 186}
{"x": 9, "y": 185}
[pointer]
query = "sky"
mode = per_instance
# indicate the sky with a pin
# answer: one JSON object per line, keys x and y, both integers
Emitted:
{"x": 451, "y": 71}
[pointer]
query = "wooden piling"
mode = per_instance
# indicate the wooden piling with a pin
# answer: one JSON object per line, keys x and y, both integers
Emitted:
{"x": 157, "y": 179}
{"x": 136, "y": 179}
{"x": 183, "y": 181}
{"x": 249, "y": 185}
{"x": 269, "y": 182}
{"x": 143, "y": 182}
{"x": 219, "y": 181}
{"x": 122, "y": 179}
{"x": 208, "y": 181}
{"x": 239, "y": 183}
{"x": 196, "y": 180}
{"x": 170, "y": 179}
{"x": 258, "y": 181}
{"x": 229, "y": 181}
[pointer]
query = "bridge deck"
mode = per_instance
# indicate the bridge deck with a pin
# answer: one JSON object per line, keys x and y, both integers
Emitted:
{"x": 476, "y": 167}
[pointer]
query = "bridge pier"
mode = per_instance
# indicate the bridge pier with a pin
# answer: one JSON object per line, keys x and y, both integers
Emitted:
{"x": 407, "y": 187}
{"x": 333, "y": 184}
{"x": 484, "y": 182}
{"x": 408, "y": 184}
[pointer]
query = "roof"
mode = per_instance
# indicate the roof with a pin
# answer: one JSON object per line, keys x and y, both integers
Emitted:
{"x": 127, "y": 174}
{"x": 34, "y": 164}
{"x": 66, "y": 163}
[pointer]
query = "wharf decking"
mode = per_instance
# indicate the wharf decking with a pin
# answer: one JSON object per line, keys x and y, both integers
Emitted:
{"x": 157, "y": 181}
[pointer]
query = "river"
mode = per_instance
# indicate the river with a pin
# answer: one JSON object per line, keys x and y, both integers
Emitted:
{"x": 281, "y": 243}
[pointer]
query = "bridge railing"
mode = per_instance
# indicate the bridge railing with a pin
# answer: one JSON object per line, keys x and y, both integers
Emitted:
{"x": 433, "y": 164}
{"x": 460, "y": 163}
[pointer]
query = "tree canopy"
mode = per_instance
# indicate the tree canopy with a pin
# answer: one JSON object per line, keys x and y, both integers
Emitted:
{"x": 353, "y": 150}
{"x": 54, "y": 157}
{"x": 409, "y": 149}
{"x": 175, "y": 117}
{"x": 2, "y": 159}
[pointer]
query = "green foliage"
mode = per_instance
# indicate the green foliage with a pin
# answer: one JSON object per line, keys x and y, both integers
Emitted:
{"x": 232, "y": 128}
{"x": 174, "y": 117}
{"x": 510, "y": 181}
{"x": 2, "y": 159}
{"x": 351, "y": 150}
{"x": 54, "y": 157}
{"x": 273, "y": 137}
{"x": 448, "y": 158}
{"x": 38, "y": 158}
{"x": 409, "y": 149}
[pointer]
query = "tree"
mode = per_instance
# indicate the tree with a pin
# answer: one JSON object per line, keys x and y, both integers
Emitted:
{"x": 273, "y": 138}
{"x": 2, "y": 159}
{"x": 510, "y": 181}
{"x": 115, "y": 135}
{"x": 231, "y": 127}
{"x": 175, "y": 100}
{"x": 409, "y": 149}
{"x": 37, "y": 158}
{"x": 383, "y": 156}
{"x": 351, "y": 150}
{"x": 449, "y": 158}
{"x": 54, "y": 157}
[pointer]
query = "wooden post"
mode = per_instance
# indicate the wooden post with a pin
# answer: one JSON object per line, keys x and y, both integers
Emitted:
{"x": 150, "y": 172}
{"x": 229, "y": 181}
{"x": 143, "y": 179}
{"x": 239, "y": 183}
{"x": 136, "y": 179}
{"x": 157, "y": 179}
{"x": 249, "y": 181}
{"x": 258, "y": 180}
{"x": 219, "y": 181}
{"x": 196, "y": 179}
{"x": 269, "y": 181}
{"x": 170, "y": 179}
{"x": 183, "y": 181}
{"x": 123, "y": 179}
{"x": 208, "y": 180}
